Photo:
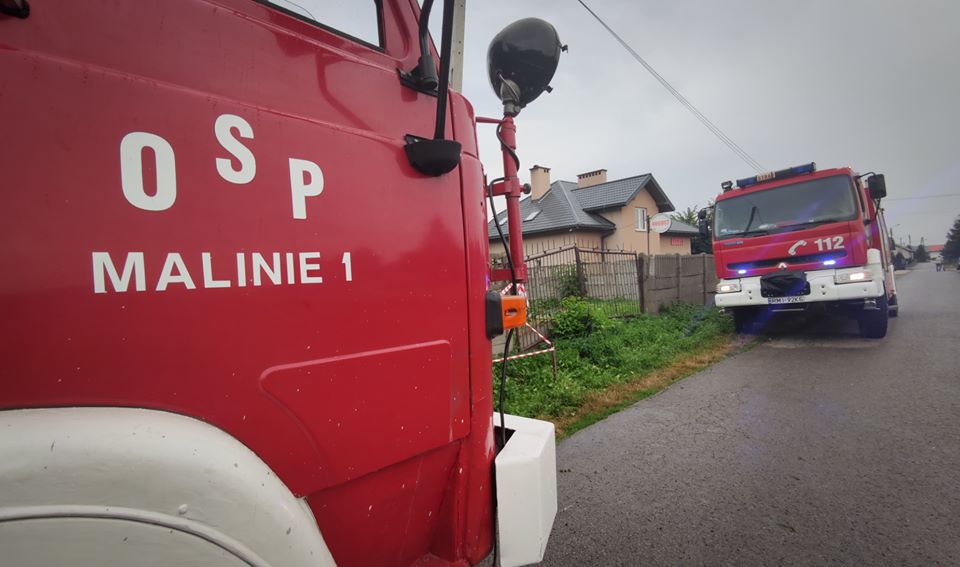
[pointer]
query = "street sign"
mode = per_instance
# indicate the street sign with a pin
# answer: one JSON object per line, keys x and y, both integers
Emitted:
{"x": 660, "y": 223}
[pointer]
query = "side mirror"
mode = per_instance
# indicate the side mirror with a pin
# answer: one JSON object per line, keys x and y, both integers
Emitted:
{"x": 703, "y": 226}
{"x": 438, "y": 155}
{"x": 702, "y": 214}
{"x": 877, "y": 186}
{"x": 521, "y": 61}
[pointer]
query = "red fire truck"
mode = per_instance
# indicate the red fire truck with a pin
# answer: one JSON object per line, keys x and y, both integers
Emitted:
{"x": 244, "y": 303}
{"x": 797, "y": 238}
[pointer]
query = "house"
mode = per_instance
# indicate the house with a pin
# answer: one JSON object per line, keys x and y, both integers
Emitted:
{"x": 902, "y": 256}
{"x": 595, "y": 213}
{"x": 935, "y": 250}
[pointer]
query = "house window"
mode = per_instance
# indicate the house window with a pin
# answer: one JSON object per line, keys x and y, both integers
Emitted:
{"x": 642, "y": 219}
{"x": 355, "y": 20}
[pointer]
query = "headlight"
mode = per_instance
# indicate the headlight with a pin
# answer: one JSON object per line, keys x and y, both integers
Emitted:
{"x": 728, "y": 287}
{"x": 853, "y": 276}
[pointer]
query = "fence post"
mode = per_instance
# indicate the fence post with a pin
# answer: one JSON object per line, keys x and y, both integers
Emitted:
{"x": 679, "y": 262}
{"x": 580, "y": 278}
{"x": 703, "y": 276}
{"x": 641, "y": 277}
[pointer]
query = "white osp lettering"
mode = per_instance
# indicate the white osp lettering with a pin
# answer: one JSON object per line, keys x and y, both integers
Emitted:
{"x": 132, "y": 175}
{"x": 260, "y": 266}
{"x": 167, "y": 276}
{"x": 208, "y": 281}
{"x": 103, "y": 267}
{"x": 306, "y": 180}
{"x": 276, "y": 268}
{"x": 306, "y": 267}
{"x": 223, "y": 130}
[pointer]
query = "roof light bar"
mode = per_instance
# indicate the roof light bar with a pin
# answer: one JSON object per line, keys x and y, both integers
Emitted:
{"x": 781, "y": 174}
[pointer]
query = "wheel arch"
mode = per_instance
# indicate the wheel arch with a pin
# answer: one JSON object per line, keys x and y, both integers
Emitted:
{"x": 109, "y": 471}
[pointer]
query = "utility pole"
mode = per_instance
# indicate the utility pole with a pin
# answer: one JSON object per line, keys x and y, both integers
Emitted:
{"x": 456, "y": 46}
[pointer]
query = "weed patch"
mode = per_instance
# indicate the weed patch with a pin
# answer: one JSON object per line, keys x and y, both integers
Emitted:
{"x": 605, "y": 365}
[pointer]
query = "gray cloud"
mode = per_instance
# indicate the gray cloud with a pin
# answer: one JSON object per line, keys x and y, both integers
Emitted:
{"x": 870, "y": 84}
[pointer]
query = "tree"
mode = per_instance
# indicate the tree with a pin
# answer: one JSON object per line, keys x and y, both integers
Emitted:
{"x": 920, "y": 254}
{"x": 951, "y": 250}
{"x": 699, "y": 244}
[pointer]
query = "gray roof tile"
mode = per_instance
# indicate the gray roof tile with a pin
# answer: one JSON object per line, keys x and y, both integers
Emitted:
{"x": 615, "y": 194}
{"x": 566, "y": 207}
{"x": 559, "y": 210}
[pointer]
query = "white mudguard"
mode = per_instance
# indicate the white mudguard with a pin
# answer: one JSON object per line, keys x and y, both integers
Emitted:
{"x": 526, "y": 490}
{"x": 114, "y": 487}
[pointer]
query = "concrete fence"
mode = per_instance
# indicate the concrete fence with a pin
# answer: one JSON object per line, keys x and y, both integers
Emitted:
{"x": 621, "y": 284}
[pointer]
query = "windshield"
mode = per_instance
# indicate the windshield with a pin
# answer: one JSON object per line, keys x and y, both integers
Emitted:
{"x": 786, "y": 208}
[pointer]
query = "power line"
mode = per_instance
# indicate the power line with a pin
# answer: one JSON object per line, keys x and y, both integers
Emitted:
{"x": 924, "y": 197}
{"x": 741, "y": 153}
{"x": 900, "y": 214}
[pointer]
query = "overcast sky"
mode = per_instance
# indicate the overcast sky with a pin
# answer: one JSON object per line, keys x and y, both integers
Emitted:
{"x": 873, "y": 84}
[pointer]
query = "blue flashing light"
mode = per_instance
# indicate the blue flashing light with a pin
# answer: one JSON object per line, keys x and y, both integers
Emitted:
{"x": 829, "y": 262}
{"x": 781, "y": 174}
{"x": 747, "y": 182}
{"x": 741, "y": 272}
{"x": 804, "y": 169}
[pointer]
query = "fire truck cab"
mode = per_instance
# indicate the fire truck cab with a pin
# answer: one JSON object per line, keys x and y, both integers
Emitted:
{"x": 797, "y": 238}
{"x": 243, "y": 297}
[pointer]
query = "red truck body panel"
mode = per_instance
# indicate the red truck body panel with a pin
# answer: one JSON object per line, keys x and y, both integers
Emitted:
{"x": 763, "y": 253}
{"x": 368, "y": 392}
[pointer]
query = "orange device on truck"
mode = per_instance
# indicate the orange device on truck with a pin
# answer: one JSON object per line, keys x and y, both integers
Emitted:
{"x": 244, "y": 302}
{"x": 796, "y": 238}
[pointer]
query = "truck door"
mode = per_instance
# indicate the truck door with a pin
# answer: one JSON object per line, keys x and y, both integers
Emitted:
{"x": 208, "y": 210}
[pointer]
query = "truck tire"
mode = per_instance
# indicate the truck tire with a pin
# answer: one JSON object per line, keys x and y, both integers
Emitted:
{"x": 745, "y": 320}
{"x": 873, "y": 323}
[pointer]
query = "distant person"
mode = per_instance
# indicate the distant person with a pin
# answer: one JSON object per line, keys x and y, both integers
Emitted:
{"x": 939, "y": 264}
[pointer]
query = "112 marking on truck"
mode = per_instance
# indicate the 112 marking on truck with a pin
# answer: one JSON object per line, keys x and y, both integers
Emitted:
{"x": 798, "y": 238}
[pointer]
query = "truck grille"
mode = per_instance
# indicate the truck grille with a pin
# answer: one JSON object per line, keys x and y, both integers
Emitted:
{"x": 789, "y": 260}
{"x": 784, "y": 284}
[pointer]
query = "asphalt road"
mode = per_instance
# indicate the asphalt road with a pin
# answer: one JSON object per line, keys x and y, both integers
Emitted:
{"x": 814, "y": 448}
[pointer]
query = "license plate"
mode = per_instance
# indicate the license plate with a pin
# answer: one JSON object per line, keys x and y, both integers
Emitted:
{"x": 780, "y": 300}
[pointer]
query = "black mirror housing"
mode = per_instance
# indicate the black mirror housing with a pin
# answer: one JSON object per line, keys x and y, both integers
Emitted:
{"x": 521, "y": 61}
{"x": 877, "y": 186}
{"x": 703, "y": 226}
{"x": 432, "y": 157}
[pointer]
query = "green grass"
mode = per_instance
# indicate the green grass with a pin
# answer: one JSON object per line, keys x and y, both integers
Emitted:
{"x": 605, "y": 354}
{"x": 548, "y": 308}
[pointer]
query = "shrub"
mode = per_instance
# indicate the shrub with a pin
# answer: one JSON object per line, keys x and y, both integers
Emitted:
{"x": 569, "y": 282}
{"x": 577, "y": 319}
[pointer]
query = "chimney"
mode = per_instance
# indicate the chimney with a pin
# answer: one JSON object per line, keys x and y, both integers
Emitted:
{"x": 539, "y": 181}
{"x": 591, "y": 178}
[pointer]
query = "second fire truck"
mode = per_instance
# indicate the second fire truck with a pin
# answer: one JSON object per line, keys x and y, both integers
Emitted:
{"x": 796, "y": 238}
